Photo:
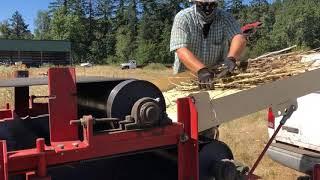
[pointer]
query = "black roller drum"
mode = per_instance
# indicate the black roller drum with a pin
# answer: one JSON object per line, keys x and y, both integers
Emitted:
{"x": 123, "y": 96}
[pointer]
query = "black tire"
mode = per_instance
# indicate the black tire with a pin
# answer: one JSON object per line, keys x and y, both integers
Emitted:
{"x": 125, "y": 67}
{"x": 210, "y": 153}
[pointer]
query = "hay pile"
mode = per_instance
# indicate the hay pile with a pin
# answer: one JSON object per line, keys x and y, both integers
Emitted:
{"x": 268, "y": 69}
{"x": 261, "y": 70}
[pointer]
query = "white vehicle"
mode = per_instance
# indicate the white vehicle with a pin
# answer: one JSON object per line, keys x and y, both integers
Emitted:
{"x": 87, "y": 64}
{"x": 131, "y": 64}
{"x": 297, "y": 144}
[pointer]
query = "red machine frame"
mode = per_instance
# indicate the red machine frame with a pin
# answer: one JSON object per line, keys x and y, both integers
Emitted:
{"x": 66, "y": 147}
{"x": 316, "y": 172}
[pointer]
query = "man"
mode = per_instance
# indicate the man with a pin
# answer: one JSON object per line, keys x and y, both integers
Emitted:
{"x": 203, "y": 36}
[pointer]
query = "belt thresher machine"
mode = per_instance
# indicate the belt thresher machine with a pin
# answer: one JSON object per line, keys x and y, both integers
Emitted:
{"x": 96, "y": 128}
{"x": 117, "y": 129}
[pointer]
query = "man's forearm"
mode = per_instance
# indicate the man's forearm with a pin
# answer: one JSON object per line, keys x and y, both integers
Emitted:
{"x": 238, "y": 44}
{"x": 189, "y": 60}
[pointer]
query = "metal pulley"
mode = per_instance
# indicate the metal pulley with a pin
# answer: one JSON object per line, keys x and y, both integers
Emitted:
{"x": 146, "y": 113}
{"x": 142, "y": 100}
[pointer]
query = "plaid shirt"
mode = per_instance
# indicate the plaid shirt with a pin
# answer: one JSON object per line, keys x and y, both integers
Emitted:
{"x": 187, "y": 32}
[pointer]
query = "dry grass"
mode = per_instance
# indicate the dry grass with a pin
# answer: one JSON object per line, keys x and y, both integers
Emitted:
{"x": 107, "y": 71}
{"x": 246, "y": 136}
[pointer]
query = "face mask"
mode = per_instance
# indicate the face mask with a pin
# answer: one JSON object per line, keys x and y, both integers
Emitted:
{"x": 206, "y": 11}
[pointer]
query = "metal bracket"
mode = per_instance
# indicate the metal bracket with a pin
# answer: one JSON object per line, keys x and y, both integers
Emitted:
{"x": 280, "y": 109}
{"x": 287, "y": 114}
{"x": 206, "y": 113}
{"x": 184, "y": 138}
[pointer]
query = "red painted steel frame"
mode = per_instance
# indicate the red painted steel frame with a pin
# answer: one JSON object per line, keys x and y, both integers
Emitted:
{"x": 316, "y": 172}
{"x": 34, "y": 110}
{"x": 62, "y": 104}
{"x": 3, "y": 161}
{"x": 6, "y": 113}
{"x": 34, "y": 162}
{"x": 188, "y": 152}
{"x": 31, "y": 108}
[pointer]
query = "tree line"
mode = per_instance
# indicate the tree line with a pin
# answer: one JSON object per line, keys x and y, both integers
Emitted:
{"x": 112, "y": 31}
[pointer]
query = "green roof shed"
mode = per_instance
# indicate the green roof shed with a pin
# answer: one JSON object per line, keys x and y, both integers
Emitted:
{"x": 35, "y": 52}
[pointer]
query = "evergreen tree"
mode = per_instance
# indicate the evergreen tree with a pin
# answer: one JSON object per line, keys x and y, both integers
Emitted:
{"x": 297, "y": 22}
{"x": 19, "y": 29}
{"x": 108, "y": 31}
{"x": 42, "y": 24}
{"x": 5, "y": 31}
{"x": 235, "y": 7}
{"x": 123, "y": 50}
{"x": 103, "y": 47}
{"x": 57, "y": 4}
{"x": 120, "y": 16}
{"x": 258, "y": 9}
{"x": 132, "y": 18}
{"x": 127, "y": 25}
{"x": 90, "y": 13}
{"x": 58, "y": 25}
{"x": 70, "y": 26}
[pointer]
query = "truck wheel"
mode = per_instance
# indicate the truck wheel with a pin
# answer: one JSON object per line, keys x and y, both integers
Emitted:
{"x": 124, "y": 67}
{"x": 215, "y": 162}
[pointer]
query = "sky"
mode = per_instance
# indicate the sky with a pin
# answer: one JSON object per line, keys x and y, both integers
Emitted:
{"x": 27, "y": 8}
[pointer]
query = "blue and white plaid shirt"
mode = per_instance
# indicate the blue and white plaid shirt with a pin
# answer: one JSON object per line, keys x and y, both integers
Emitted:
{"x": 187, "y": 32}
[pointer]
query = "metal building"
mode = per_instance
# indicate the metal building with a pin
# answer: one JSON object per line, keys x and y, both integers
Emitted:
{"x": 35, "y": 52}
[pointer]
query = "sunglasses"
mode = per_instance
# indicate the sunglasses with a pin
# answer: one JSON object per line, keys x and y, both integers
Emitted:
{"x": 206, "y": 7}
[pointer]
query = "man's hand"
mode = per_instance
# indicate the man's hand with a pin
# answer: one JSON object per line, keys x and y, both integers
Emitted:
{"x": 230, "y": 62}
{"x": 205, "y": 78}
{"x": 230, "y": 65}
{"x": 243, "y": 66}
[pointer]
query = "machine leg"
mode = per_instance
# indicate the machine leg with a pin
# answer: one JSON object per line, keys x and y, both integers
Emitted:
{"x": 63, "y": 104}
{"x": 188, "y": 156}
{"x": 41, "y": 173}
{"x": 3, "y": 161}
{"x": 316, "y": 172}
{"x": 21, "y": 96}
